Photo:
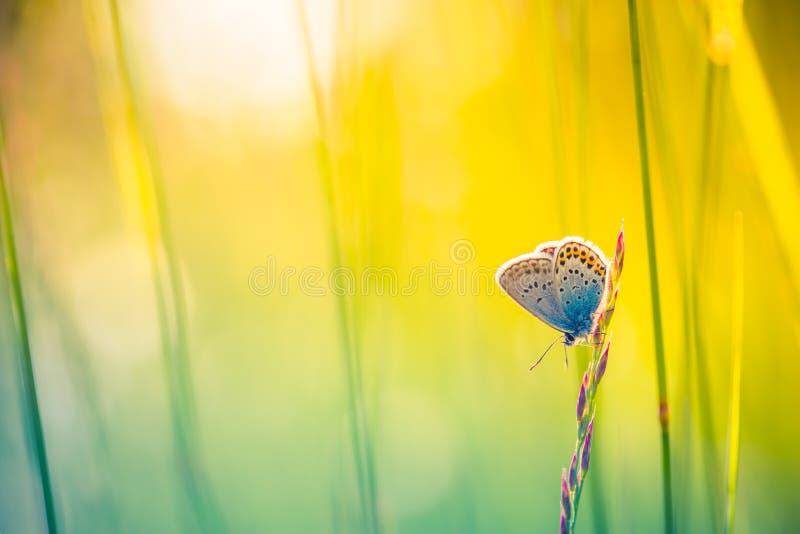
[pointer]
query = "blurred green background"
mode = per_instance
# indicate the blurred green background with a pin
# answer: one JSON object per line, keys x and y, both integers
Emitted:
{"x": 165, "y": 158}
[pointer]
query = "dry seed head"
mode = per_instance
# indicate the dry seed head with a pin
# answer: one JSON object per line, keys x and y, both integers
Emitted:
{"x": 573, "y": 473}
{"x": 601, "y": 364}
{"x": 581, "y": 407}
{"x": 566, "y": 506}
{"x": 586, "y": 449}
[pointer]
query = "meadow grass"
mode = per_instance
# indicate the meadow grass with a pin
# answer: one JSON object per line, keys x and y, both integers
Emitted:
{"x": 166, "y": 277}
{"x": 347, "y": 312}
{"x": 34, "y": 418}
{"x": 666, "y": 154}
{"x": 86, "y": 385}
{"x": 735, "y": 414}
{"x": 707, "y": 183}
{"x": 663, "y": 404}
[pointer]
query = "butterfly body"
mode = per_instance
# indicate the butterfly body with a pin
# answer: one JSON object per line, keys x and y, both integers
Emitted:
{"x": 563, "y": 283}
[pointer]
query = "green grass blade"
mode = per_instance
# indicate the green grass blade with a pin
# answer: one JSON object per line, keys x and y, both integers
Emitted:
{"x": 636, "y": 61}
{"x": 104, "y": 25}
{"x": 363, "y": 457}
{"x": 26, "y": 362}
{"x": 736, "y": 371}
{"x": 706, "y": 184}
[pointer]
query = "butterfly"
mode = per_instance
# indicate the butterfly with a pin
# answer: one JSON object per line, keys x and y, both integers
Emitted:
{"x": 563, "y": 283}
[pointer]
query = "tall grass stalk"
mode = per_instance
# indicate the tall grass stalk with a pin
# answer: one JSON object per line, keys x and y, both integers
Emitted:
{"x": 26, "y": 362}
{"x": 168, "y": 284}
{"x": 663, "y": 404}
{"x": 666, "y": 153}
{"x": 362, "y": 450}
{"x": 85, "y": 384}
{"x": 737, "y": 323}
{"x": 707, "y": 183}
{"x": 769, "y": 150}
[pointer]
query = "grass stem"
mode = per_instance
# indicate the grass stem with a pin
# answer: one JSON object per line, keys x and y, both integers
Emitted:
{"x": 736, "y": 370}
{"x": 363, "y": 458}
{"x": 663, "y": 404}
{"x": 709, "y": 149}
{"x": 26, "y": 362}
{"x": 168, "y": 283}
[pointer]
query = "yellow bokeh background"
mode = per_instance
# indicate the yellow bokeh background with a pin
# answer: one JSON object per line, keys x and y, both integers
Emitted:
{"x": 190, "y": 133}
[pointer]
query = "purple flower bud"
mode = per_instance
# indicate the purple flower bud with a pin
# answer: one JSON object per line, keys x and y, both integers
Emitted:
{"x": 619, "y": 253}
{"x": 581, "y": 408}
{"x": 573, "y": 473}
{"x": 566, "y": 507}
{"x": 601, "y": 364}
{"x": 563, "y": 526}
{"x": 587, "y": 446}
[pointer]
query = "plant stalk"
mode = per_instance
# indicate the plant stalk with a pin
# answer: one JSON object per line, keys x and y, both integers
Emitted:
{"x": 168, "y": 283}
{"x": 734, "y": 424}
{"x": 26, "y": 361}
{"x": 359, "y": 431}
{"x": 663, "y": 405}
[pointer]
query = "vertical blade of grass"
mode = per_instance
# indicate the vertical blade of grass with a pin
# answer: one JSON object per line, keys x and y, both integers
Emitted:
{"x": 168, "y": 284}
{"x": 104, "y": 513}
{"x": 666, "y": 153}
{"x": 175, "y": 350}
{"x": 768, "y": 149}
{"x": 706, "y": 183}
{"x": 358, "y": 424}
{"x": 636, "y": 61}
{"x": 26, "y": 362}
{"x": 736, "y": 369}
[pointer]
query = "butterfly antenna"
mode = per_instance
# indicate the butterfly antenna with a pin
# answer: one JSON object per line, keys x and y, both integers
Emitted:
{"x": 545, "y": 352}
{"x": 566, "y": 360}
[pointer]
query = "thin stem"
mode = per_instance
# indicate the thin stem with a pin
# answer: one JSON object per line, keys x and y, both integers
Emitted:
{"x": 736, "y": 370}
{"x": 26, "y": 362}
{"x": 169, "y": 293}
{"x": 591, "y": 411}
{"x": 636, "y": 62}
{"x": 358, "y": 422}
{"x": 708, "y": 151}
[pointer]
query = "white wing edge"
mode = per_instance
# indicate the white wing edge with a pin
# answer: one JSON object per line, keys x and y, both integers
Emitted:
{"x": 535, "y": 255}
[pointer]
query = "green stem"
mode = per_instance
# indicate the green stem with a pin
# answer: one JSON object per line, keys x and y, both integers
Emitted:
{"x": 653, "y": 263}
{"x": 359, "y": 434}
{"x": 708, "y": 152}
{"x": 170, "y": 296}
{"x": 26, "y": 362}
{"x": 736, "y": 371}
{"x": 591, "y": 411}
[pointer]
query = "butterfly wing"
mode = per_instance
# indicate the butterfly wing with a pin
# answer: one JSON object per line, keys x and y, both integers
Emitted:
{"x": 548, "y": 248}
{"x": 580, "y": 281}
{"x": 528, "y": 279}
